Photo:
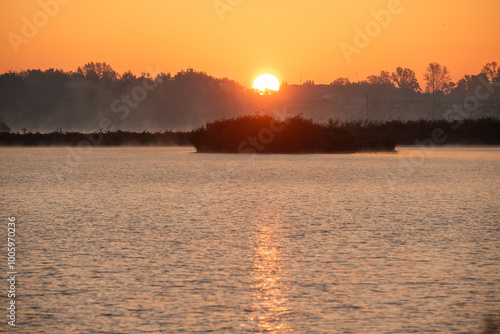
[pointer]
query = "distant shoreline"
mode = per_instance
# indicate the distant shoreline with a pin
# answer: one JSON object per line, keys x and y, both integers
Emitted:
{"x": 470, "y": 132}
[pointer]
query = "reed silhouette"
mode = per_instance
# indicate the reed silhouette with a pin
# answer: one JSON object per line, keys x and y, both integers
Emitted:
{"x": 291, "y": 135}
{"x": 266, "y": 134}
{"x": 300, "y": 135}
{"x": 115, "y": 138}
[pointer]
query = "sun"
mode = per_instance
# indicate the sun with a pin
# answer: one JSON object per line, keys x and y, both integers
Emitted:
{"x": 266, "y": 82}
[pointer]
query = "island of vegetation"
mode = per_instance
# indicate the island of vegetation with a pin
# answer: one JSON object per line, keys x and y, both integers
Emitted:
{"x": 266, "y": 134}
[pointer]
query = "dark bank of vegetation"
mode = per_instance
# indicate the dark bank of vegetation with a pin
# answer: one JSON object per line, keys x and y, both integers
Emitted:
{"x": 482, "y": 131}
{"x": 115, "y": 138}
{"x": 267, "y": 134}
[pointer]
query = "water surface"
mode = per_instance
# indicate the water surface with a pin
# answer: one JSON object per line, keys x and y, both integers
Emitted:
{"x": 163, "y": 240}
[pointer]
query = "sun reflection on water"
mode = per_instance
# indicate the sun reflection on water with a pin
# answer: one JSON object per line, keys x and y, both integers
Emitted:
{"x": 270, "y": 309}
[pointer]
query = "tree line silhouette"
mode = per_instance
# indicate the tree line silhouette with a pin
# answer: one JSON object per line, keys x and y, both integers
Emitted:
{"x": 96, "y": 98}
{"x": 80, "y": 100}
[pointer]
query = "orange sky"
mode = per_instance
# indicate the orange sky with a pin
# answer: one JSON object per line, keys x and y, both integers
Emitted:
{"x": 291, "y": 39}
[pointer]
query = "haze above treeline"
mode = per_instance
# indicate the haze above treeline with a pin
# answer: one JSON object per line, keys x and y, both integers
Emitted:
{"x": 96, "y": 97}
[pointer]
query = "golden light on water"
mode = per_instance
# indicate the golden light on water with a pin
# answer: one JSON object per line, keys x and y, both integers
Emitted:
{"x": 270, "y": 307}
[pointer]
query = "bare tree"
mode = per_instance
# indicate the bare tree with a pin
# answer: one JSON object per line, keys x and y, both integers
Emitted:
{"x": 437, "y": 78}
{"x": 404, "y": 78}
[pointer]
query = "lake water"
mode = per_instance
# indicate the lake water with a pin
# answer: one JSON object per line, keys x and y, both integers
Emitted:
{"x": 163, "y": 240}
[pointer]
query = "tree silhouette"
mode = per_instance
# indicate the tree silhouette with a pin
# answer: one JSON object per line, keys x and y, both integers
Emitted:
{"x": 466, "y": 86}
{"x": 491, "y": 71}
{"x": 437, "y": 78}
{"x": 340, "y": 82}
{"x": 404, "y": 78}
{"x": 383, "y": 79}
{"x": 97, "y": 71}
{"x": 128, "y": 77}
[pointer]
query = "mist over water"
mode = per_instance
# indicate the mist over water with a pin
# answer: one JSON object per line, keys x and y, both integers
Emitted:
{"x": 163, "y": 240}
